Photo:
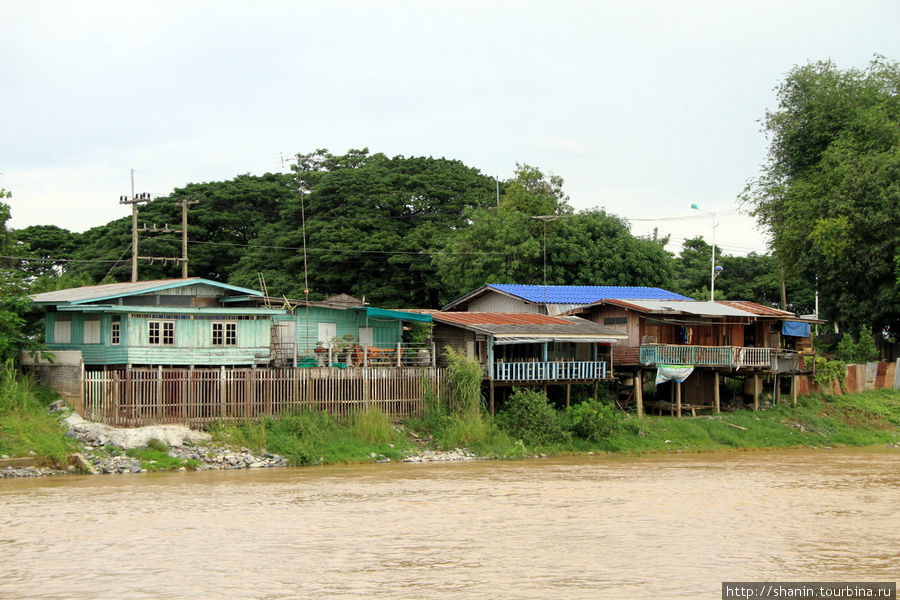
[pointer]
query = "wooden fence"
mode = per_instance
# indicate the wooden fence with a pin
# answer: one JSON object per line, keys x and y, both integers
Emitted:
{"x": 152, "y": 396}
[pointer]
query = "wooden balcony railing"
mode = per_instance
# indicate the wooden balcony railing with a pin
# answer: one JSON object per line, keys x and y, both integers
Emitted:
{"x": 736, "y": 357}
{"x": 549, "y": 371}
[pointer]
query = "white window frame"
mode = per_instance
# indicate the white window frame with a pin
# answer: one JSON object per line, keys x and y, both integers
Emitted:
{"x": 115, "y": 331}
{"x": 224, "y": 333}
{"x": 164, "y": 334}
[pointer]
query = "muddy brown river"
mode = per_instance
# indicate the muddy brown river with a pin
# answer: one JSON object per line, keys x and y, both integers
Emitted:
{"x": 586, "y": 527}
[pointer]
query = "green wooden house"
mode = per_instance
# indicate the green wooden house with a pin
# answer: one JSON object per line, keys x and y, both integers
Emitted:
{"x": 199, "y": 322}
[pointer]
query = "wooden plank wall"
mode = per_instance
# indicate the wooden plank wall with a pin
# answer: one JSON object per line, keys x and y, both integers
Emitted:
{"x": 152, "y": 396}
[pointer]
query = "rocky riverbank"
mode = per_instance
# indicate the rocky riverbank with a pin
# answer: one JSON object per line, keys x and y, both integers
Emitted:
{"x": 103, "y": 452}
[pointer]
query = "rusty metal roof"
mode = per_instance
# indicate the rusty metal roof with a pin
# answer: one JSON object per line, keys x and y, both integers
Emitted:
{"x": 757, "y": 309}
{"x": 491, "y": 318}
{"x": 530, "y": 324}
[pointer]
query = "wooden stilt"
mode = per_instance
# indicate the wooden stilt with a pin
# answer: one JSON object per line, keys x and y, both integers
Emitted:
{"x": 491, "y": 386}
{"x": 568, "y": 394}
{"x": 755, "y": 391}
{"x": 639, "y": 394}
{"x": 716, "y": 399}
{"x": 794, "y": 381}
{"x": 678, "y": 398}
{"x": 776, "y": 392}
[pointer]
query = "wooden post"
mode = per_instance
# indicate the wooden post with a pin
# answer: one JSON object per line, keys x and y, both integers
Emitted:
{"x": 776, "y": 392}
{"x": 223, "y": 390}
{"x": 794, "y": 381}
{"x": 638, "y": 393}
{"x": 716, "y": 390}
{"x": 129, "y": 391}
{"x": 399, "y": 354}
{"x": 491, "y": 386}
{"x": 756, "y": 391}
{"x": 678, "y": 397}
{"x": 159, "y": 393}
{"x": 189, "y": 394}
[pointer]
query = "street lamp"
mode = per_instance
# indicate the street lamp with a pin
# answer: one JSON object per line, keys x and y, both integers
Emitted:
{"x": 713, "y": 269}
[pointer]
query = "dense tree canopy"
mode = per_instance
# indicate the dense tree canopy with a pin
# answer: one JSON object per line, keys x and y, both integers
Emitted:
{"x": 830, "y": 190}
{"x": 372, "y": 223}
{"x": 508, "y": 245}
{"x": 753, "y": 277}
{"x": 401, "y": 231}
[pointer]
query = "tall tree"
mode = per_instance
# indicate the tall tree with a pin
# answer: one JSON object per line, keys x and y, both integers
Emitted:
{"x": 16, "y": 331}
{"x": 829, "y": 192}
{"x": 371, "y": 224}
{"x": 754, "y": 277}
{"x": 534, "y": 221}
{"x": 229, "y": 215}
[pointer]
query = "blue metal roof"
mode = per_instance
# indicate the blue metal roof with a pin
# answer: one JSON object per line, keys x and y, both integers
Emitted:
{"x": 583, "y": 294}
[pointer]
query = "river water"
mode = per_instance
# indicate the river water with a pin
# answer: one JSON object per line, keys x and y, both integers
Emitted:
{"x": 670, "y": 526}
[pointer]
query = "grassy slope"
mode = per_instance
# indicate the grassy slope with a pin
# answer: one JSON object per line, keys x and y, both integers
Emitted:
{"x": 26, "y": 427}
{"x": 314, "y": 438}
{"x": 852, "y": 420}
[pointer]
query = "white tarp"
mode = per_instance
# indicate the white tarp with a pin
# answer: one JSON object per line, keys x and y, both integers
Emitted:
{"x": 673, "y": 372}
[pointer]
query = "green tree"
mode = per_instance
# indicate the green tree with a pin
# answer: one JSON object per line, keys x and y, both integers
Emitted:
{"x": 49, "y": 247}
{"x": 508, "y": 245}
{"x": 228, "y": 217}
{"x": 829, "y": 193}
{"x": 372, "y": 223}
{"x": 754, "y": 277}
{"x": 16, "y": 331}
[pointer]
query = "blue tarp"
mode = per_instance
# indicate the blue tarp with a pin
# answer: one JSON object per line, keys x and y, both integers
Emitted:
{"x": 795, "y": 328}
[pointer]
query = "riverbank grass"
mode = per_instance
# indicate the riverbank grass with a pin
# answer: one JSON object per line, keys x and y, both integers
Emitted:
{"x": 315, "y": 437}
{"x": 27, "y": 428}
{"x": 864, "y": 419}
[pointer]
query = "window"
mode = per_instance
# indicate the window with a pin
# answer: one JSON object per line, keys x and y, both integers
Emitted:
{"x": 115, "y": 331}
{"x": 91, "y": 331}
{"x": 366, "y": 336}
{"x": 327, "y": 332}
{"x": 161, "y": 333}
{"x": 615, "y": 320}
{"x": 62, "y": 329}
{"x": 224, "y": 334}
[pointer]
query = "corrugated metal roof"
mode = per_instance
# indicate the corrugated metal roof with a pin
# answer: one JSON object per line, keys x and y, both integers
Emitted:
{"x": 757, "y": 309}
{"x": 93, "y": 293}
{"x": 584, "y": 294}
{"x": 489, "y": 318}
{"x": 529, "y": 324}
{"x": 690, "y": 307}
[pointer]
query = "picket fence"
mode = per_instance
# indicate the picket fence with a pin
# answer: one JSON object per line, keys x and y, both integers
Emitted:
{"x": 196, "y": 396}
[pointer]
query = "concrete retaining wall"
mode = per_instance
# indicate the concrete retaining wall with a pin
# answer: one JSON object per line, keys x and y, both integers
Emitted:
{"x": 64, "y": 374}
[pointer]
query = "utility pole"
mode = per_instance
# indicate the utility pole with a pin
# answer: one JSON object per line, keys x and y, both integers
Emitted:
{"x": 184, "y": 226}
{"x": 134, "y": 201}
{"x": 135, "y": 239}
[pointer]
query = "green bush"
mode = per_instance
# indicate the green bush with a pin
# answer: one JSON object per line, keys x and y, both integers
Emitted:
{"x": 528, "y": 416}
{"x": 593, "y": 420}
{"x": 861, "y": 351}
{"x": 465, "y": 377}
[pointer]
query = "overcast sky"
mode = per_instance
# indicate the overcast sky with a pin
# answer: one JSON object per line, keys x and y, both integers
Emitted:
{"x": 642, "y": 107}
